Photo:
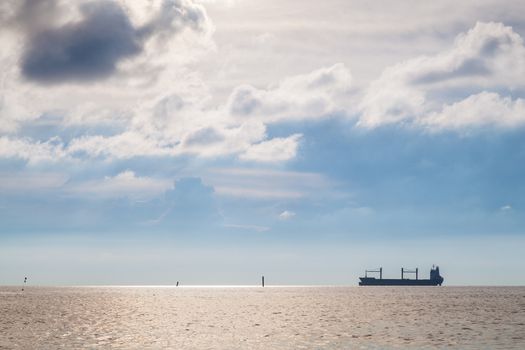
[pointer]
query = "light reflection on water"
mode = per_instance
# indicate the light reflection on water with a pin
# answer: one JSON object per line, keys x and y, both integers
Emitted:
{"x": 248, "y": 317}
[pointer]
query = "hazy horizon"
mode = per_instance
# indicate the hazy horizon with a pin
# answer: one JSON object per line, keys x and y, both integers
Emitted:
{"x": 215, "y": 141}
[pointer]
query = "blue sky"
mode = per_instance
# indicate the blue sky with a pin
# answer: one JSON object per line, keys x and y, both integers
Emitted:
{"x": 211, "y": 142}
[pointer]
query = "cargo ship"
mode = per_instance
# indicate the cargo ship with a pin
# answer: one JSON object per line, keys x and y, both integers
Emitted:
{"x": 434, "y": 280}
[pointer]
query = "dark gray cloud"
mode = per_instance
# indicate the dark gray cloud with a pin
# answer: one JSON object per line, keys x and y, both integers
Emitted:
{"x": 86, "y": 50}
{"x": 91, "y": 48}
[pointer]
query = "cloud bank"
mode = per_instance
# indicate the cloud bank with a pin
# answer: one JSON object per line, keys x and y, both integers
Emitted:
{"x": 476, "y": 83}
{"x": 485, "y": 64}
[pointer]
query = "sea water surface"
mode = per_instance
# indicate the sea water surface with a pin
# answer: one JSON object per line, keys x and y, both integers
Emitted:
{"x": 262, "y": 318}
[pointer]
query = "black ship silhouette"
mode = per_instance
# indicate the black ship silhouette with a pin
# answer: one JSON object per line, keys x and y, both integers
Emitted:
{"x": 434, "y": 280}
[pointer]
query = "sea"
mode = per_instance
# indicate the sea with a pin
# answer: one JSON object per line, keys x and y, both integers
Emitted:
{"x": 275, "y": 317}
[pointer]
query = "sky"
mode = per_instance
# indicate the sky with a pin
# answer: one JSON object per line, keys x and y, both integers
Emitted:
{"x": 215, "y": 141}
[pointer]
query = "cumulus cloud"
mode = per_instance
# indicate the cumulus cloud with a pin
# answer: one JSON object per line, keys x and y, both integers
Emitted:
{"x": 485, "y": 108}
{"x": 321, "y": 93}
{"x": 487, "y": 59}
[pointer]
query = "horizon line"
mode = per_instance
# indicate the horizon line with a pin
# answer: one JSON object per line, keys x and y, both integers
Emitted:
{"x": 238, "y": 285}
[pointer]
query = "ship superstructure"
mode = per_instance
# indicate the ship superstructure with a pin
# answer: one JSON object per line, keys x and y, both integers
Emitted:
{"x": 435, "y": 278}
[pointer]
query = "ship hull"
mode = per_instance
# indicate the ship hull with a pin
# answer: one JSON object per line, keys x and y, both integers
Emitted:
{"x": 370, "y": 281}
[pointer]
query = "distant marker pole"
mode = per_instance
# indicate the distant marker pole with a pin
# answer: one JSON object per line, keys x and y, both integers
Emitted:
{"x": 25, "y": 281}
{"x": 262, "y": 281}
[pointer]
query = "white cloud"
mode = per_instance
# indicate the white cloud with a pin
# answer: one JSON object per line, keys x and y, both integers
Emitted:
{"x": 488, "y": 58}
{"x": 486, "y": 108}
{"x": 286, "y": 215}
{"x": 318, "y": 94}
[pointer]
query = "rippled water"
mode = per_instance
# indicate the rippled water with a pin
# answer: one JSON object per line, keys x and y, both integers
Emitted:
{"x": 257, "y": 318}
